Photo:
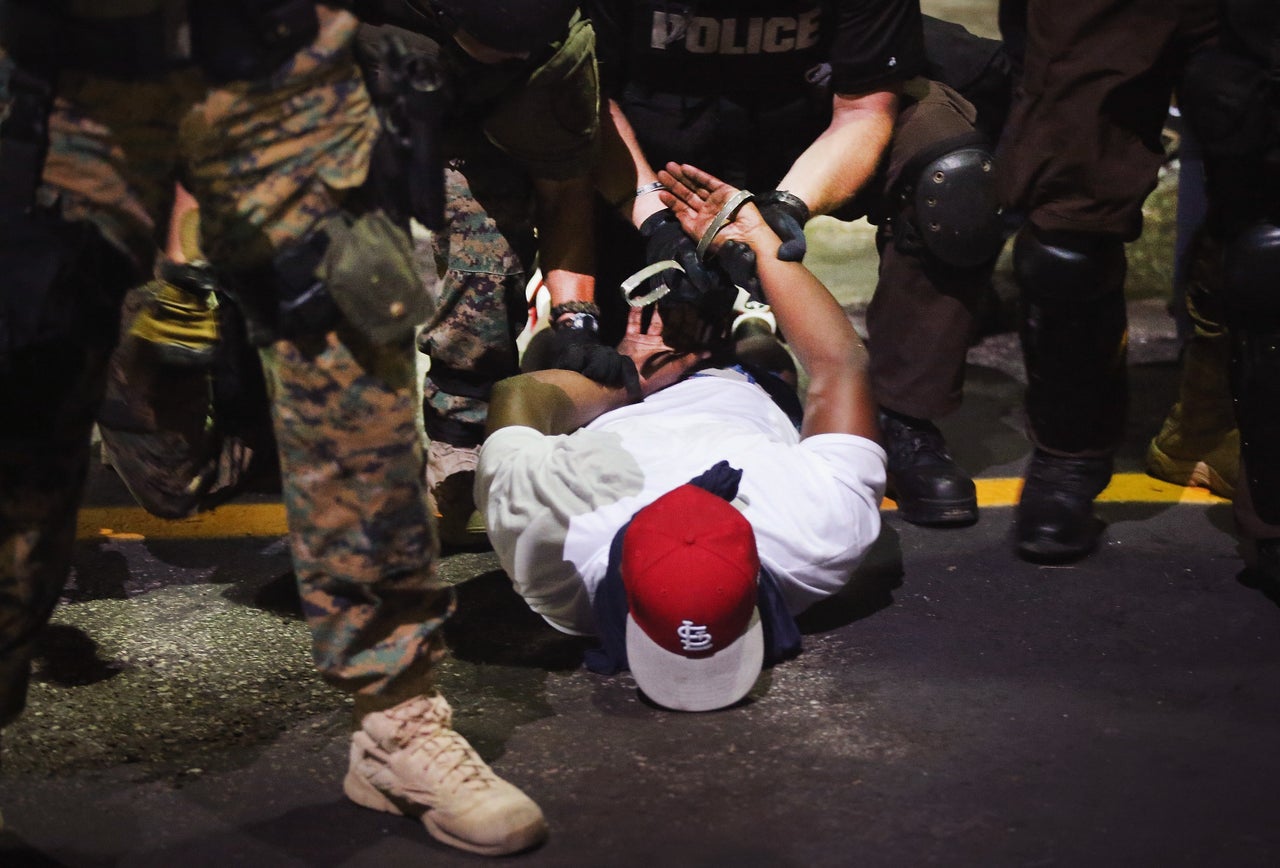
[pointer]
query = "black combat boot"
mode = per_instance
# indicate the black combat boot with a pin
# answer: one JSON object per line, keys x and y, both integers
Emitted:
{"x": 1055, "y": 521}
{"x": 928, "y": 486}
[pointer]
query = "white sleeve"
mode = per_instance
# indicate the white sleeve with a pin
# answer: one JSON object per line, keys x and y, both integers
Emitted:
{"x": 529, "y": 487}
{"x": 824, "y": 517}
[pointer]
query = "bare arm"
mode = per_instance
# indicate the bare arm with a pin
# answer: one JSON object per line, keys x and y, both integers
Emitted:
{"x": 566, "y": 238}
{"x": 818, "y": 331}
{"x": 840, "y": 161}
{"x": 624, "y": 167}
{"x": 182, "y": 226}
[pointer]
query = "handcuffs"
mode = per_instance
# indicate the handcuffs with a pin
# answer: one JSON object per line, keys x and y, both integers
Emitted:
{"x": 726, "y": 213}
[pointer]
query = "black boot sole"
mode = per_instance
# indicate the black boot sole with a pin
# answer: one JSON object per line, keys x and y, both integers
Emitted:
{"x": 939, "y": 513}
{"x": 1046, "y": 550}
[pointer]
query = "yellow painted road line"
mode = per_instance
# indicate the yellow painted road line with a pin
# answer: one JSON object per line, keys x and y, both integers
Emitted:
{"x": 1124, "y": 488}
{"x": 225, "y": 522}
{"x": 1140, "y": 488}
{"x": 267, "y": 519}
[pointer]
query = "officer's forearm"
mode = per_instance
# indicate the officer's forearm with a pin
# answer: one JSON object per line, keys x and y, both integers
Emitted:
{"x": 624, "y": 169}
{"x": 836, "y": 166}
{"x": 566, "y": 238}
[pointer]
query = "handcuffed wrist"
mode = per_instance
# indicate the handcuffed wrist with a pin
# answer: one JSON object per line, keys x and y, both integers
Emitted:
{"x": 726, "y": 213}
{"x": 655, "y": 221}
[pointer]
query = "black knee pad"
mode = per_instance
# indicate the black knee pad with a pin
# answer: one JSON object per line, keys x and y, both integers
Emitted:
{"x": 1067, "y": 266}
{"x": 947, "y": 208}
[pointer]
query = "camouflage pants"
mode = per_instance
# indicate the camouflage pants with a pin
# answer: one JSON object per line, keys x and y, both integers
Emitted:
{"x": 266, "y": 161}
{"x": 482, "y": 307}
{"x": 44, "y": 461}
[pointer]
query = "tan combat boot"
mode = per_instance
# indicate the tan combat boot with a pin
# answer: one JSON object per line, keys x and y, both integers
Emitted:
{"x": 407, "y": 760}
{"x": 451, "y": 476}
{"x": 1198, "y": 444}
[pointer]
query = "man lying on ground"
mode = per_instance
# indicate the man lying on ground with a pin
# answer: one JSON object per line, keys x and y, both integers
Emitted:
{"x": 685, "y": 520}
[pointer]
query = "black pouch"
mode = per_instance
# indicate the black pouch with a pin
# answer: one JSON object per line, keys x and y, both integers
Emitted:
{"x": 357, "y": 268}
{"x": 305, "y": 308}
{"x": 247, "y": 40}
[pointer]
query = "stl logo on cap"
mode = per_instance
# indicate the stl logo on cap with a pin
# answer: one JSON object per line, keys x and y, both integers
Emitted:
{"x": 693, "y": 637}
{"x": 690, "y": 567}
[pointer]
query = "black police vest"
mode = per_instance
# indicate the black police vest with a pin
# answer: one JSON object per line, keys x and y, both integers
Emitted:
{"x": 726, "y": 48}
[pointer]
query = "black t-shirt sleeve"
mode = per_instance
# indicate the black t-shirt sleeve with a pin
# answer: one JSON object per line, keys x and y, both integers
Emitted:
{"x": 875, "y": 44}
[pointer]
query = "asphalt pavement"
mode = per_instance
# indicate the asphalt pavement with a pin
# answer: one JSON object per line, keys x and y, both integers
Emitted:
{"x": 953, "y": 706}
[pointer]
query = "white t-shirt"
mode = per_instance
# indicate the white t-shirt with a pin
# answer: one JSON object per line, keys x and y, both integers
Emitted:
{"x": 554, "y": 503}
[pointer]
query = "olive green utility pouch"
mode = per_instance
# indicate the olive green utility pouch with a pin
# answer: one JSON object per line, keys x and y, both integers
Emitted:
{"x": 551, "y": 125}
{"x": 368, "y": 269}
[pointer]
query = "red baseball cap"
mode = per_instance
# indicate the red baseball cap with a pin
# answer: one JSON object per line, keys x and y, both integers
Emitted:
{"x": 690, "y": 567}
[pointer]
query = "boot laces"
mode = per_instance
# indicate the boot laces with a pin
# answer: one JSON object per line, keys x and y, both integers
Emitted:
{"x": 910, "y": 442}
{"x": 425, "y": 729}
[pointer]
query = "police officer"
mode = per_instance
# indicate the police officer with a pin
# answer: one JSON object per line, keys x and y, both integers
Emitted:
{"x": 821, "y": 108}
{"x": 520, "y": 137}
{"x": 1231, "y": 99}
{"x": 271, "y": 128}
{"x": 1079, "y": 154}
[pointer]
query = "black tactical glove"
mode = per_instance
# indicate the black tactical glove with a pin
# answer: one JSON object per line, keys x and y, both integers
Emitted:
{"x": 738, "y": 262}
{"x": 665, "y": 239}
{"x": 596, "y": 362}
{"x": 700, "y": 299}
{"x": 786, "y": 215}
{"x": 574, "y": 345}
{"x": 575, "y": 350}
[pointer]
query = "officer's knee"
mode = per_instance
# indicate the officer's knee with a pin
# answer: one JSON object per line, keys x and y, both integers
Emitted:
{"x": 947, "y": 207}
